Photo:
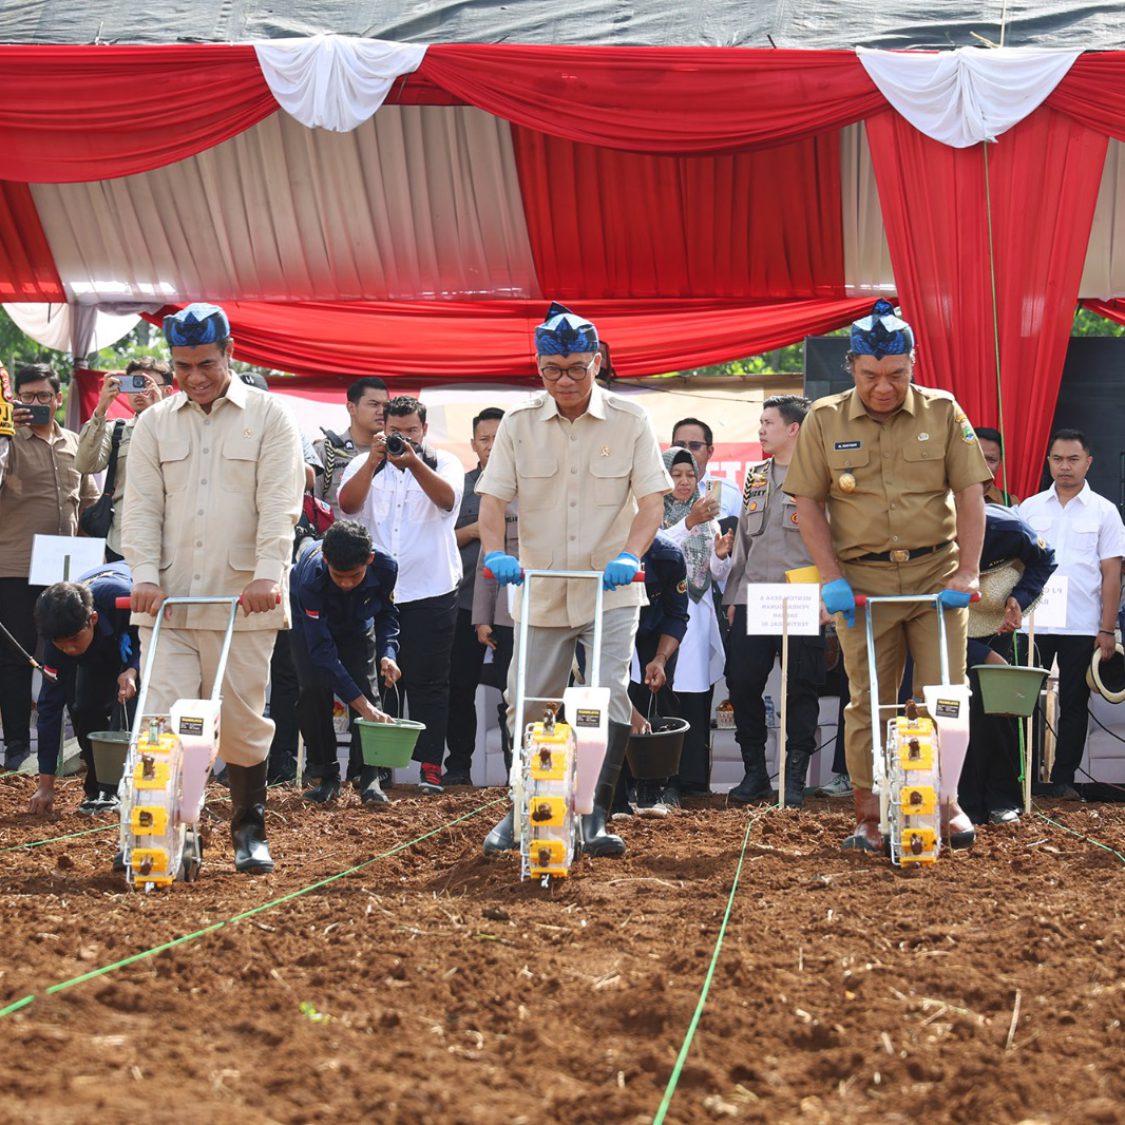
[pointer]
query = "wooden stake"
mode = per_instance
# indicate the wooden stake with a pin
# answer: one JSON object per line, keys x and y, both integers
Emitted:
{"x": 784, "y": 709}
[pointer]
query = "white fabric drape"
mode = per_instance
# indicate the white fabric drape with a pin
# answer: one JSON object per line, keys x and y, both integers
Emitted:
{"x": 77, "y": 329}
{"x": 420, "y": 202}
{"x": 867, "y": 258}
{"x": 1103, "y": 276}
{"x": 332, "y": 81}
{"x": 969, "y": 95}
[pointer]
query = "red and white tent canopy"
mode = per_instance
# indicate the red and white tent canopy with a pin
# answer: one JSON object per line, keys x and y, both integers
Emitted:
{"x": 700, "y": 203}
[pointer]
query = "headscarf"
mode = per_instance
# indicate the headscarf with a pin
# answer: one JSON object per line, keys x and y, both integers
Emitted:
{"x": 882, "y": 333}
{"x": 698, "y": 545}
{"x": 195, "y": 325}
{"x": 563, "y": 332}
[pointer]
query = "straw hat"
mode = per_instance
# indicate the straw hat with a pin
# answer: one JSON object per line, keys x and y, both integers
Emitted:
{"x": 996, "y": 586}
{"x": 1114, "y": 672}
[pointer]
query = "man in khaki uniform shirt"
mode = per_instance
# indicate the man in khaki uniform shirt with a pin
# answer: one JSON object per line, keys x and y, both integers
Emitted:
{"x": 95, "y": 440}
{"x": 42, "y": 492}
{"x": 585, "y": 468}
{"x": 898, "y": 472}
{"x": 214, "y": 491}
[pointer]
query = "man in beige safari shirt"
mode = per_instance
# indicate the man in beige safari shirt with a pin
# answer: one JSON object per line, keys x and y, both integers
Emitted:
{"x": 585, "y": 468}
{"x": 213, "y": 493}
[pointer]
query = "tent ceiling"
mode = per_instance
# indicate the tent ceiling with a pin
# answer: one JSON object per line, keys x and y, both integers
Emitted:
{"x": 813, "y": 24}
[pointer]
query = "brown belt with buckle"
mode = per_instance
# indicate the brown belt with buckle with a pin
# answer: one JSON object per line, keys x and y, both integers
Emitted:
{"x": 902, "y": 555}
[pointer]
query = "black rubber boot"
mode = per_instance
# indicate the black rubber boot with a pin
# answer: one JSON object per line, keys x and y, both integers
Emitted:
{"x": 248, "y": 819}
{"x": 503, "y": 837}
{"x": 596, "y": 841}
{"x": 796, "y": 770}
{"x": 754, "y": 788}
{"x": 328, "y": 790}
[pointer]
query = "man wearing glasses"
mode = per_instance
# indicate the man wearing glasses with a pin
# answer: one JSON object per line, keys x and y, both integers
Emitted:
{"x": 95, "y": 440}
{"x": 42, "y": 492}
{"x": 691, "y": 433}
{"x": 585, "y": 468}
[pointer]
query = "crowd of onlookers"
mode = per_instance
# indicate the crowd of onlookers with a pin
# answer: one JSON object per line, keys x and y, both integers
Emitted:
{"x": 393, "y": 609}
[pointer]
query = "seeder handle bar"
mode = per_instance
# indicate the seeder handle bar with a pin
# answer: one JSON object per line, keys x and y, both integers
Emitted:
{"x": 638, "y": 577}
{"x": 862, "y": 599}
{"x": 127, "y": 603}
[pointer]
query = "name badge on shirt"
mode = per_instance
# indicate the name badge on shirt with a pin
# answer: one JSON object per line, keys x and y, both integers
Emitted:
{"x": 849, "y": 445}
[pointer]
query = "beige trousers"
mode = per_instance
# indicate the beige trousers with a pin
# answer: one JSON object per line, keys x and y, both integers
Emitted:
{"x": 185, "y": 669}
{"x": 898, "y": 629}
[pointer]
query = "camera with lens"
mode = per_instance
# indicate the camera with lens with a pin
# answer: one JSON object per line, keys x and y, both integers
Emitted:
{"x": 396, "y": 445}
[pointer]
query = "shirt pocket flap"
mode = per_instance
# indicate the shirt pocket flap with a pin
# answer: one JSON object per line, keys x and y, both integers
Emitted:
{"x": 538, "y": 465}
{"x": 848, "y": 458}
{"x": 171, "y": 450}
{"x": 918, "y": 451}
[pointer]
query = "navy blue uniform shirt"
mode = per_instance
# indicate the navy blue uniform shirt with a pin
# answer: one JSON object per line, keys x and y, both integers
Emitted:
{"x": 666, "y": 614}
{"x": 323, "y": 613}
{"x": 1008, "y": 538}
{"x": 115, "y": 642}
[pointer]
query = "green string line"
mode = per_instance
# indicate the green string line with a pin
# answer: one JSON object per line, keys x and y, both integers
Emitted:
{"x": 685, "y": 1047}
{"x": 1080, "y": 835}
{"x": 56, "y": 839}
{"x": 24, "y": 1001}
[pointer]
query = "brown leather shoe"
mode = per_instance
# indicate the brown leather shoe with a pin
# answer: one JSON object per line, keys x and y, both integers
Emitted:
{"x": 867, "y": 837}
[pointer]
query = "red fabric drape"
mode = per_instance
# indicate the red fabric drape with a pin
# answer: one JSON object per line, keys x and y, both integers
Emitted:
{"x": 495, "y": 339}
{"x": 74, "y": 113}
{"x": 1112, "y": 310}
{"x": 1093, "y": 92}
{"x": 622, "y": 224}
{"x": 689, "y": 100}
{"x": 27, "y": 267}
{"x": 1044, "y": 177}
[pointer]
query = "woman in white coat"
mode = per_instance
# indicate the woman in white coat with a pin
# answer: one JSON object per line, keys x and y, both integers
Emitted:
{"x": 690, "y": 521}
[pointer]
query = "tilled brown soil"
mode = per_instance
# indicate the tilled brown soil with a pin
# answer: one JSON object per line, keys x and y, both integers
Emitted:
{"x": 432, "y": 986}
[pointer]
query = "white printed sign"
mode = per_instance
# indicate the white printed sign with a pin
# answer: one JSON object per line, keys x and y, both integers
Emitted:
{"x": 770, "y": 605}
{"x": 62, "y": 558}
{"x": 1050, "y": 613}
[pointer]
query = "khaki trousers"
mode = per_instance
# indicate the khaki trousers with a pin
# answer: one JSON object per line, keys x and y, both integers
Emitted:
{"x": 185, "y": 669}
{"x": 897, "y": 629}
{"x": 551, "y": 653}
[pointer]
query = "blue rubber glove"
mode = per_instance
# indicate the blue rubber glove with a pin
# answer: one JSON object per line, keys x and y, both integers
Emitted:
{"x": 839, "y": 597}
{"x": 621, "y": 571}
{"x": 505, "y": 568}
{"x": 954, "y": 599}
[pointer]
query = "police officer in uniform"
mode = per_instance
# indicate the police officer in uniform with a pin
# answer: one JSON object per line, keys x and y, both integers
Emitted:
{"x": 586, "y": 468}
{"x": 768, "y": 544}
{"x": 898, "y": 471}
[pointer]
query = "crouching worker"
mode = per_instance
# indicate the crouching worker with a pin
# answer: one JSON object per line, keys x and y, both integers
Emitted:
{"x": 344, "y": 619}
{"x": 213, "y": 493}
{"x": 93, "y": 652}
{"x": 585, "y": 468}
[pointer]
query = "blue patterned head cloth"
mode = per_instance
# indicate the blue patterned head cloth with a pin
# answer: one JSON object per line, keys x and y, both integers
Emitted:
{"x": 195, "y": 325}
{"x": 882, "y": 333}
{"x": 563, "y": 332}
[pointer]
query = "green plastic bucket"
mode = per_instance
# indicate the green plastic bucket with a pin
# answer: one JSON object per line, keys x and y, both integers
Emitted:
{"x": 110, "y": 749}
{"x": 388, "y": 744}
{"x": 1009, "y": 689}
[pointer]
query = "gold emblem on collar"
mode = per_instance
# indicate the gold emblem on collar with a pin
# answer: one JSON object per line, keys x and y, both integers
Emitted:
{"x": 247, "y": 433}
{"x": 605, "y": 451}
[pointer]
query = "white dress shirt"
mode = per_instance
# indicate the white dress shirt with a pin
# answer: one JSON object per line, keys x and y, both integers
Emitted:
{"x": 406, "y": 524}
{"x": 1083, "y": 532}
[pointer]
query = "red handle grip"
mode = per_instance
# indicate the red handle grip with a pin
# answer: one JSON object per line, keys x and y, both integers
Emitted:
{"x": 638, "y": 577}
{"x": 861, "y": 599}
{"x": 127, "y": 603}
